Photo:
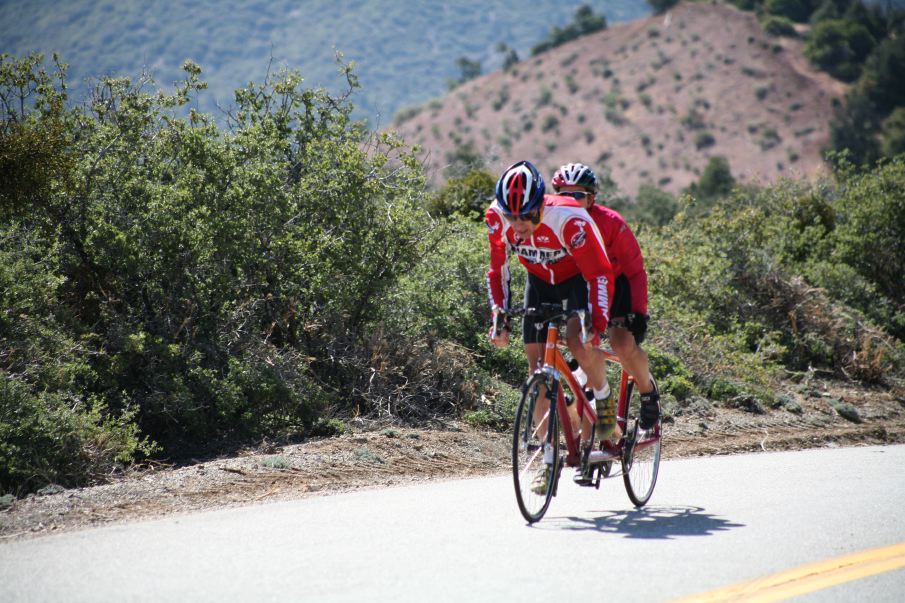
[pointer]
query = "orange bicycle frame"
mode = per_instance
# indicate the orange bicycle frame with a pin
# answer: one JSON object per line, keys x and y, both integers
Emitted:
{"x": 553, "y": 358}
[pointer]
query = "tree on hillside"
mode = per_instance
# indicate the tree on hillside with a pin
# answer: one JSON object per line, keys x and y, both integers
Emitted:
{"x": 584, "y": 22}
{"x": 871, "y": 226}
{"x": 467, "y": 196}
{"x": 884, "y": 75}
{"x": 858, "y": 126}
{"x": 894, "y": 133}
{"x": 510, "y": 56}
{"x": 468, "y": 70}
{"x": 779, "y": 26}
{"x": 796, "y": 10}
{"x": 828, "y": 10}
{"x": 839, "y": 47}
{"x": 716, "y": 181}
{"x": 661, "y": 6}
{"x": 853, "y": 130}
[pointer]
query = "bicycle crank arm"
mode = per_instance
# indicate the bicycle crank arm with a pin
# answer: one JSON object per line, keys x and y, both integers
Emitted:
{"x": 601, "y": 456}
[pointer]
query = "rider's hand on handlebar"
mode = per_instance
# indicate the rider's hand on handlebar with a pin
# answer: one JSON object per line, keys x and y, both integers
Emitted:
{"x": 499, "y": 327}
{"x": 593, "y": 340}
{"x": 502, "y": 338}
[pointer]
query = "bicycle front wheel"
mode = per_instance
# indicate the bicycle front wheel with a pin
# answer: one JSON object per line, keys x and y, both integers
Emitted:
{"x": 535, "y": 455}
{"x": 640, "y": 454}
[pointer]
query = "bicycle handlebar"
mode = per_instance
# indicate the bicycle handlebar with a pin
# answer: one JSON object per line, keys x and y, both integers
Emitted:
{"x": 548, "y": 312}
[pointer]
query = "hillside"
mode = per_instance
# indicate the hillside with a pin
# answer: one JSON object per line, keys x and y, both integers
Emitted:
{"x": 405, "y": 51}
{"x": 651, "y": 101}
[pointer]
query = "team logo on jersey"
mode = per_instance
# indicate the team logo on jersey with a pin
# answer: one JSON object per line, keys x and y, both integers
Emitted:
{"x": 543, "y": 239}
{"x": 533, "y": 255}
{"x": 579, "y": 238}
{"x": 493, "y": 226}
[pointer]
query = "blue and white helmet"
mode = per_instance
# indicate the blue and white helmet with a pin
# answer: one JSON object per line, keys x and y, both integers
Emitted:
{"x": 520, "y": 190}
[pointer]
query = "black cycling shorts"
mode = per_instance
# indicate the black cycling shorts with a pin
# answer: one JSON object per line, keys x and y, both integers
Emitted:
{"x": 622, "y": 298}
{"x": 573, "y": 291}
{"x": 621, "y": 314}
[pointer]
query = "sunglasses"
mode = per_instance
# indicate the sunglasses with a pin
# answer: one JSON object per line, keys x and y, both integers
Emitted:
{"x": 580, "y": 195}
{"x": 533, "y": 217}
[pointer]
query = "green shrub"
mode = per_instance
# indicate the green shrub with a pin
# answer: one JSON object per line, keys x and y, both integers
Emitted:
{"x": 467, "y": 196}
{"x": 48, "y": 438}
{"x": 845, "y": 410}
{"x": 794, "y": 10}
{"x": 724, "y": 389}
{"x": 702, "y": 140}
{"x": 871, "y": 226}
{"x": 653, "y": 206}
{"x": 200, "y": 281}
{"x": 551, "y": 122}
{"x": 779, "y": 26}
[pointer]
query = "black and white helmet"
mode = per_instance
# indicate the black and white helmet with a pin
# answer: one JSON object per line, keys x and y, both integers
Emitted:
{"x": 575, "y": 174}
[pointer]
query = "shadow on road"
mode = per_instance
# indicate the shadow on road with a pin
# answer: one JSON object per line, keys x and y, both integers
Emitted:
{"x": 648, "y": 522}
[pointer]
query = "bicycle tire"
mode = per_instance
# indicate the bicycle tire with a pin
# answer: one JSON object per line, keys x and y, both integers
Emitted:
{"x": 640, "y": 464}
{"x": 528, "y": 454}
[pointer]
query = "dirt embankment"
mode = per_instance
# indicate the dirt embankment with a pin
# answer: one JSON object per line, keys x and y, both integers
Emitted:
{"x": 381, "y": 455}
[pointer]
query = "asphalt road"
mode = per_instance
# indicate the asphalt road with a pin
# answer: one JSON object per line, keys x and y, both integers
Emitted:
{"x": 711, "y": 523}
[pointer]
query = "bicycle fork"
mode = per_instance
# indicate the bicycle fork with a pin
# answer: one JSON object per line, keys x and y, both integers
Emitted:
{"x": 550, "y": 416}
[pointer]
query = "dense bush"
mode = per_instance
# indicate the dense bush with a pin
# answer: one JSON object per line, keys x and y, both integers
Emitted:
{"x": 870, "y": 226}
{"x": 729, "y": 280}
{"x": 467, "y": 196}
{"x": 203, "y": 285}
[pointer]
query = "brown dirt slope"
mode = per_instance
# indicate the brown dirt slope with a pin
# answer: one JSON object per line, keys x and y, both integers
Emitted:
{"x": 381, "y": 455}
{"x": 650, "y": 100}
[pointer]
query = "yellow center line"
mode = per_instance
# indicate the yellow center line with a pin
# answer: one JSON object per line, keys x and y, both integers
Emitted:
{"x": 808, "y": 578}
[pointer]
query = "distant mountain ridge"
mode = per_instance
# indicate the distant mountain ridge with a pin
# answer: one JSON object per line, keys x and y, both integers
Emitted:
{"x": 405, "y": 50}
{"x": 650, "y": 101}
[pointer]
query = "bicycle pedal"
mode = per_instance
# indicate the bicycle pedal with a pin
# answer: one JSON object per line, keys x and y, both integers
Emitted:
{"x": 582, "y": 480}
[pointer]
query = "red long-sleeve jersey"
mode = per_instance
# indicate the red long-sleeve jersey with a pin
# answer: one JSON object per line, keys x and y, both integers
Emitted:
{"x": 566, "y": 243}
{"x": 624, "y": 253}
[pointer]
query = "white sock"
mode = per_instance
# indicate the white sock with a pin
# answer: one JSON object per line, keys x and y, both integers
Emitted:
{"x": 603, "y": 392}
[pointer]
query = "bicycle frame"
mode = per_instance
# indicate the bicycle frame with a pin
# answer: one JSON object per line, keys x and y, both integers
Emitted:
{"x": 556, "y": 366}
{"x": 536, "y": 430}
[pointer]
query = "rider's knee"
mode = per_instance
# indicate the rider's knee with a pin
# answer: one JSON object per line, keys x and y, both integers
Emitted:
{"x": 622, "y": 340}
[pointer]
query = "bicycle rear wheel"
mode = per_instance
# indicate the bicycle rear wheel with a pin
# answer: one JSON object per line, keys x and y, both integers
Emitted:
{"x": 640, "y": 454}
{"x": 535, "y": 457}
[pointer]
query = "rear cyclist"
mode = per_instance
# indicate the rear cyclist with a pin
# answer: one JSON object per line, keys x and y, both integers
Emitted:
{"x": 628, "y": 309}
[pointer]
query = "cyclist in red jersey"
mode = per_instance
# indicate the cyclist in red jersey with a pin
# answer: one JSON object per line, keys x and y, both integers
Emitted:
{"x": 628, "y": 309}
{"x": 563, "y": 252}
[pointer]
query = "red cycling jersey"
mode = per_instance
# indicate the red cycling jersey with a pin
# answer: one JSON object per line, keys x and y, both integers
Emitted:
{"x": 622, "y": 250}
{"x": 565, "y": 243}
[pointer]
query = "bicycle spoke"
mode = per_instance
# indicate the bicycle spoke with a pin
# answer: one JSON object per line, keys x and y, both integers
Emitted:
{"x": 641, "y": 454}
{"x": 534, "y": 460}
